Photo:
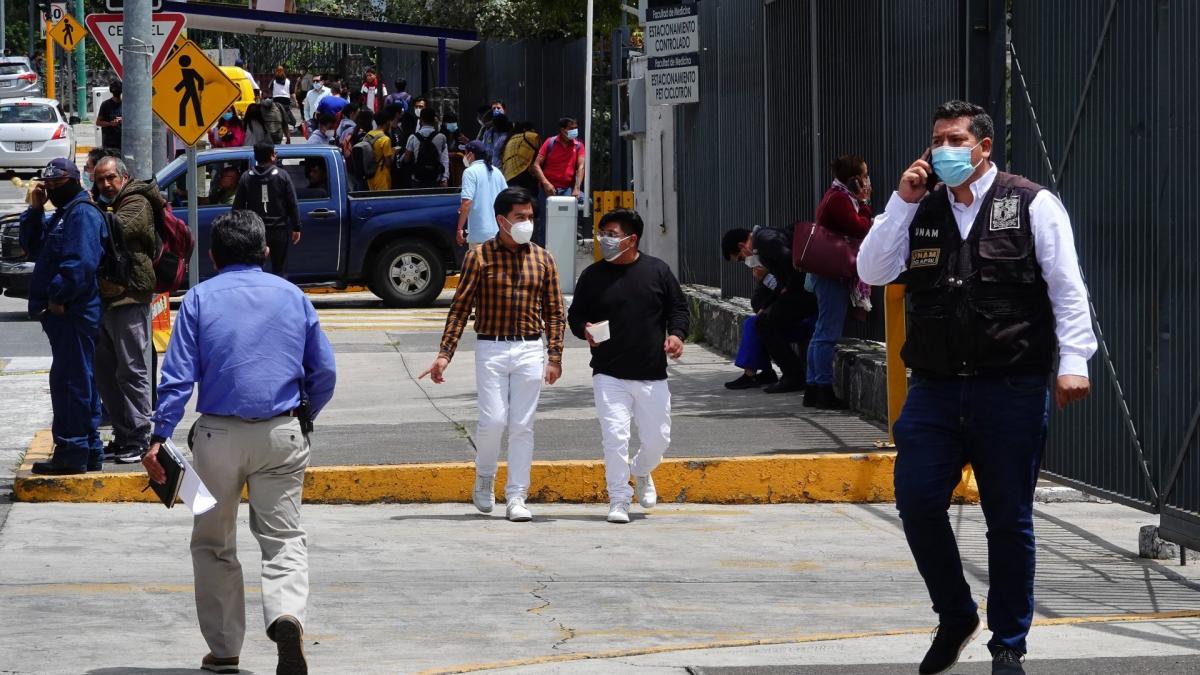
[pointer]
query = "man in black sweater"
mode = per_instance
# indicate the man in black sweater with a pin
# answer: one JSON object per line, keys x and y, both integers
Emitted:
{"x": 268, "y": 191}
{"x": 639, "y": 299}
{"x": 768, "y": 250}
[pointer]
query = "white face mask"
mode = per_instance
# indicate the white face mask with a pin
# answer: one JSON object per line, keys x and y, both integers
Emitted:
{"x": 610, "y": 247}
{"x": 752, "y": 261}
{"x": 521, "y": 232}
{"x": 466, "y": 162}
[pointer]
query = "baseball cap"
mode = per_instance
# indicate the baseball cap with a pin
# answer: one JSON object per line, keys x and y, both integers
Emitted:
{"x": 60, "y": 168}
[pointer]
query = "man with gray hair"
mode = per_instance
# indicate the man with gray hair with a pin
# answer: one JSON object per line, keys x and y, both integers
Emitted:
{"x": 123, "y": 346}
{"x": 263, "y": 376}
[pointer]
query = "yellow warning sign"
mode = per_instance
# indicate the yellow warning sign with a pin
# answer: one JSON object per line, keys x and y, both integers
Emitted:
{"x": 191, "y": 92}
{"x": 68, "y": 32}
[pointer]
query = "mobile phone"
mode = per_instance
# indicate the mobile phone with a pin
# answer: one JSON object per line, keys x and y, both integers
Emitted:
{"x": 855, "y": 185}
{"x": 933, "y": 179}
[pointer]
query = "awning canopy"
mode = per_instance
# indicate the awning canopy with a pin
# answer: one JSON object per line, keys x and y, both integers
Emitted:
{"x": 236, "y": 19}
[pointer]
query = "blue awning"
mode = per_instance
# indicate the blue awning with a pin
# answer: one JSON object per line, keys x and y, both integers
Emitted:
{"x": 241, "y": 20}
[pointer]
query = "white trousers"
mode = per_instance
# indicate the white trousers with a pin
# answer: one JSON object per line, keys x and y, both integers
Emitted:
{"x": 618, "y": 403}
{"x": 508, "y": 377}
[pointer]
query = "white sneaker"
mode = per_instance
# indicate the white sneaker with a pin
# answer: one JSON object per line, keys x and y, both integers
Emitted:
{"x": 484, "y": 494}
{"x": 644, "y": 489}
{"x": 618, "y": 512}
{"x": 517, "y": 512}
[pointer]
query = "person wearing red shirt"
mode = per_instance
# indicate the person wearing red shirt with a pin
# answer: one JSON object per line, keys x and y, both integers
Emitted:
{"x": 558, "y": 168}
{"x": 845, "y": 209}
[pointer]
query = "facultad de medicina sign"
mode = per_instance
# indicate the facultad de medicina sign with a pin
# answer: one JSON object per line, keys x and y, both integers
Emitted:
{"x": 674, "y": 79}
{"x": 672, "y": 30}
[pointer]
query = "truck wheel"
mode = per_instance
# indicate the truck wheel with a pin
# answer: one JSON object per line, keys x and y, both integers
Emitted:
{"x": 408, "y": 273}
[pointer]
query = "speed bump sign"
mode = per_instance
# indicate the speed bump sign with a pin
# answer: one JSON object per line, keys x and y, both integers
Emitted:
{"x": 191, "y": 92}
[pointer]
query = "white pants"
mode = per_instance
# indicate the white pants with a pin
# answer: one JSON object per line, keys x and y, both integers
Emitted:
{"x": 618, "y": 402}
{"x": 508, "y": 377}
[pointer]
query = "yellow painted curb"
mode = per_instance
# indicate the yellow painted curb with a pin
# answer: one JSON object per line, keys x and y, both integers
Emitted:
{"x": 846, "y": 478}
{"x": 451, "y": 284}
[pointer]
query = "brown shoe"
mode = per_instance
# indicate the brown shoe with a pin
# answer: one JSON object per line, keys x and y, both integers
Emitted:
{"x": 214, "y": 664}
{"x": 288, "y": 635}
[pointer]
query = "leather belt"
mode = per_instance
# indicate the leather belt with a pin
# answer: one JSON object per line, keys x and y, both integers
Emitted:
{"x": 510, "y": 338}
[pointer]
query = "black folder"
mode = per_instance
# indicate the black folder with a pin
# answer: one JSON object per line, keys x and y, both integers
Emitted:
{"x": 172, "y": 463}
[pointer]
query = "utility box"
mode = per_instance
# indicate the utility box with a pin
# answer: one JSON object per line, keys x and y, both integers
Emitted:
{"x": 99, "y": 96}
{"x": 562, "y": 223}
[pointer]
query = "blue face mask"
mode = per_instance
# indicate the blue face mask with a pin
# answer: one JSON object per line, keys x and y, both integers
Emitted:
{"x": 496, "y": 112}
{"x": 227, "y": 116}
{"x": 451, "y": 126}
{"x": 953, "y": 165}
{"x": 572, "y": 133}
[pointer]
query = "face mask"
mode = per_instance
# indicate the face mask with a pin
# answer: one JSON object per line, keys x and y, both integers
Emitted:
{"x": 316, "y": 86}
{"x": 417, "y": 111}
{"x": 103, "y": 199}
{"x": 610, "y": 247}
{"x": 62, "y": 195}
{"x": 496, "y": 112}
{"x": 572, "y": 134}
{"x": 752, "y": 261}
{"x": 953, "y": 165}
{"x": 227, "y": 116}
{"x": 521, "y": 232}
{"x": 466, "y": 162}
{"x": 452, "y": 127}
{"x": 87, "y": 182}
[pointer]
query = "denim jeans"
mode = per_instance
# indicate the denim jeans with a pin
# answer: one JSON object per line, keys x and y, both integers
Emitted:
{"x": 833, "y": 301}
{"x": 998, "y": 425}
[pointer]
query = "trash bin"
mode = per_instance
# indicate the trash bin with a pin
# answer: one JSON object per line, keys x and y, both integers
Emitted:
{"x": 562, "y": 223}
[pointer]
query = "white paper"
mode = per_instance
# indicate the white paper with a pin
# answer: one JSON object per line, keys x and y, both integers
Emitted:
{"x": 192, "y": 490}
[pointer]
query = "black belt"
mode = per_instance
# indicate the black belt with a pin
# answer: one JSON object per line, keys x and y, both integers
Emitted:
{"x": 510, "y": 338}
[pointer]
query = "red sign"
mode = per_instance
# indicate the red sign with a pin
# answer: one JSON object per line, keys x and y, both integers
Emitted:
{"x": 108, "y": 31}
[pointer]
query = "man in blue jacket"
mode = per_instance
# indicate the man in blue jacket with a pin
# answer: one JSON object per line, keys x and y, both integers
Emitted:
{"x": 65, "y": 296}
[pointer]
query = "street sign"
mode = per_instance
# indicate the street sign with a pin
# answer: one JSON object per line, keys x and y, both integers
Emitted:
{"x": 119, "y": 5}
{"x": 108, "y": 30}
{"x": 672, "y": 30}
{"x": 67, "y": 32}
{"x": 191, "y": 92}
{"x": 57, "y": 11}
{"x": 674, "y": 79}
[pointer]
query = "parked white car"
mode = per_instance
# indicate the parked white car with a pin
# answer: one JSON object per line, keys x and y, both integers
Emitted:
{"x": 34, "y": 131}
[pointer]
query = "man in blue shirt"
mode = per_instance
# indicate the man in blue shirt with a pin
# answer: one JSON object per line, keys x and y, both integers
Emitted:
{"x": 254, "y": 344}
{"x": 65, "y": 295}
{"x": 481, "y": 182}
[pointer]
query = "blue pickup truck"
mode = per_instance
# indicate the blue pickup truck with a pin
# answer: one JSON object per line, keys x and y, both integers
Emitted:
{"x": 398, "y": 243}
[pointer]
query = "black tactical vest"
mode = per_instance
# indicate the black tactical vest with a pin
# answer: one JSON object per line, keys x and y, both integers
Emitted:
{"x": 980, "y": 306}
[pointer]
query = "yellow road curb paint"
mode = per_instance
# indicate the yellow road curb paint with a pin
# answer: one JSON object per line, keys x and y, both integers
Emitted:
{"x": 780, "y": 479}
{"x": 794, "y": 640}
{"x": 451, "y": 284}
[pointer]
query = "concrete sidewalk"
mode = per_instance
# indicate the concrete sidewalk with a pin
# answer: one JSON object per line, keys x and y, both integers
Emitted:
{"x": 106, "y": 589}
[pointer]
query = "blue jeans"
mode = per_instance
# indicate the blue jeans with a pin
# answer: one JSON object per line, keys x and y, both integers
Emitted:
{"x": 833, "y": 301}
{"x": 998, "y": 425}
{"x": 73, "y": 395}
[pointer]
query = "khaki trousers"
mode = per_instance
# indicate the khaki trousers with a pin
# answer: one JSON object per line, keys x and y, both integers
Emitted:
{"x": 269, "y": 458}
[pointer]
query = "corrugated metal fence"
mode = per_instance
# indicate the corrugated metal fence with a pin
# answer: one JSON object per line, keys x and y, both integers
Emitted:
{"x": 539, "y": 81}
{"x": 788, "y": 86}
{"x": 1115, "y": 91}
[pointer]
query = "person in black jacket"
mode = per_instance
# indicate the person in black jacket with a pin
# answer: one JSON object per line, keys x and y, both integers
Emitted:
{"x": 646, "y": 314}
{"x": 768, "y": 250}
{"x": 269, "y": 192}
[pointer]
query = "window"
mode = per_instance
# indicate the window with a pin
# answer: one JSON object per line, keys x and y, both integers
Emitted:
{"x": 309, "y": 175}
{"x": 13, "y": 69}
{"x": 217, "y": 184}
{"x": 27, "y": 113}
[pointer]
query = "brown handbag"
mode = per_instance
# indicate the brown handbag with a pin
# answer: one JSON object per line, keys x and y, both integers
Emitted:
{"x": 820, "y": 251}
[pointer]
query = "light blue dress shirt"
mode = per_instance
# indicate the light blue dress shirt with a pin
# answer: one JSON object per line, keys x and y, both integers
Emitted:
{"x": 253, "y": 342}
{"x": 481, "y": 187}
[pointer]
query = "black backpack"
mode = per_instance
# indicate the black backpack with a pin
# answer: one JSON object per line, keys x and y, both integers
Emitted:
{"x": 362, "y": 158}
{"x": 116, "y": 262}
{"x": 428, "y": 164}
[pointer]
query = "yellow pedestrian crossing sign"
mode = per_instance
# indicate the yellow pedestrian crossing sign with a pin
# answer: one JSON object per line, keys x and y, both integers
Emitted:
{"x": 68, "y": 32}
{"x": 191, "y": 92}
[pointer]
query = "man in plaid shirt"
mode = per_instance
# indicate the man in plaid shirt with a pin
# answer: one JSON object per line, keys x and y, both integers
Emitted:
{"x": 512, "y": 285}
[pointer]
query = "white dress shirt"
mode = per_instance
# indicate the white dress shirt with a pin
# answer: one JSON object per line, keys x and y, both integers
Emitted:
{"x": 883, "y": 256}
{"x": 313, "y": 99}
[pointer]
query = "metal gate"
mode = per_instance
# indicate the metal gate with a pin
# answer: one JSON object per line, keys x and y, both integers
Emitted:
{"x": 1104, "y": 100}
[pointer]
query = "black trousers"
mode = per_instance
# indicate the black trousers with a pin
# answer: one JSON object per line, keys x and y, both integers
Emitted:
{"x": 279, "y": 240}
{"x": 779, "y": 325}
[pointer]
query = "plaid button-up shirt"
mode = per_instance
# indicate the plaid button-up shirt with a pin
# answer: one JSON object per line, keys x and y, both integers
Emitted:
{"x": 512, "y": 293}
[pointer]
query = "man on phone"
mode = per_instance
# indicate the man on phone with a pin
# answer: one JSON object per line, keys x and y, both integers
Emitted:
{"x": 64, "y": 294}
{"x": 647, "y": 317}
{"x": 995, "y": 297}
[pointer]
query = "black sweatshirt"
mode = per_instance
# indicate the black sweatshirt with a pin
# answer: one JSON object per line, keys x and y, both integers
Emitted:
{"x": 642, "y": 303}
{"x": 267, "y": 190}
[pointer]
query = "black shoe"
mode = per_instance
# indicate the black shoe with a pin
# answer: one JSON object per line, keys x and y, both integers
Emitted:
{"x": 129, "y": 454}
{"x": 110, "y": 451}
{"x": 1007, "y": 661}
{"x": 812, "y": 397}
{"x": 949, "y": 641}
{"x": 827, "y": 400}
{"x": 57, "y": 467}
{"x": 743, "y": 382}
{"x": 95, "y": 465}
{"x": 289, "y": 638}
{"x": 785, "y": 385}
{"x": 767, "y": 376}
